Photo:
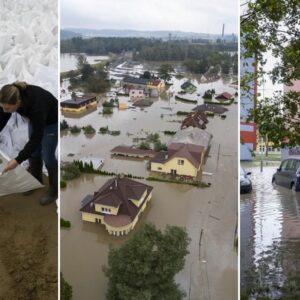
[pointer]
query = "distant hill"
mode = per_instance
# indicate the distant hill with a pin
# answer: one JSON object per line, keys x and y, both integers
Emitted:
{"x": 145, "y": 34}
{"x": 66, "y": 34}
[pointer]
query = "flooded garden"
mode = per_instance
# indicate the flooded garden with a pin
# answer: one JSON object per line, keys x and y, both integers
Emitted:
{"x": 208, "y": 214}
{"x": 270, "y": 240}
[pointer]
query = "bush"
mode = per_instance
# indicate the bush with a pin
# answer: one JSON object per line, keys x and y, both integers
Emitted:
{"x": 65, "y": 289}
{"x": 158, "y": 146}
{"x": 182, "y": 113}
{"x": 64, "y": 125}
{"x": 107, "y": 111}
{"x": 75, "y": 129}
{"x": 63, "y": 184}
{"x": 115, "y": 132}
{"x": 144, "y": 146}
{"x": 153, "y": 137}
{"x": 208, "y": 94}
{"x": 70, "y": 171}
{"x": 103, "y": 130}
{"x": 88, "y": 130}
{"x": 169, "y": 132}
{"x": 65, "y": 223}
{"x": 108, "y": 103}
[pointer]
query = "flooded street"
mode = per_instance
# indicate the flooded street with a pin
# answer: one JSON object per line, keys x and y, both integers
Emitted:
{"x": 209, "y": 215}
{"x": 270, "y": 239}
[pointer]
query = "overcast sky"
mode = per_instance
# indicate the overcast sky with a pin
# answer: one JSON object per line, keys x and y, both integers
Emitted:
{"x": 205, "y": 16}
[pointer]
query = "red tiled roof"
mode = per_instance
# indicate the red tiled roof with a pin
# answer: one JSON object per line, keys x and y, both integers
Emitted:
{"x": 225, "y": 96}
{"x": 197, "y": 119}
{"x": 155, "y": 82}
{"x": 193, "y": 153}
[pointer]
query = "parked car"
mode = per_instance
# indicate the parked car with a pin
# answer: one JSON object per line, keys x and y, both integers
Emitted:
{"x": 245, "y": 182}
{"x": 288, "y": 174}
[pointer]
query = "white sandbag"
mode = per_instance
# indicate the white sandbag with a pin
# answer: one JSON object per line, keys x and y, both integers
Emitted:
{"x": 28, "y": 52}
{"x": 17, "y": 180}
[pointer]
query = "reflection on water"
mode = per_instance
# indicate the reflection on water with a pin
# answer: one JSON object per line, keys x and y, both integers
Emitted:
{"x": 270, "y": 239}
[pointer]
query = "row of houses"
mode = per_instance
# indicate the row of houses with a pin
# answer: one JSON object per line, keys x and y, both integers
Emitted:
{"x": 119, "y": 203}
{"x": 138, "y": 88}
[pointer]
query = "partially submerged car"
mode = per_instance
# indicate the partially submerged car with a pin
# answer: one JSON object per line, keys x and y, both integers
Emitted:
{"x": 288, "y": 174}
{"x": 245, "y": 182}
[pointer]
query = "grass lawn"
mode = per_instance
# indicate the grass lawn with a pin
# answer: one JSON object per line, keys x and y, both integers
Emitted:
{"x": 270, "y": 157}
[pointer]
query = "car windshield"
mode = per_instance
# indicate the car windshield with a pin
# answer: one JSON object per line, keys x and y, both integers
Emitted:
{"x": 242, "y": 172}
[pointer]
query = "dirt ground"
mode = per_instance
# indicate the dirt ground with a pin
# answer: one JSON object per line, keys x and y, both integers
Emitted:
{"x": 28, "y": 248}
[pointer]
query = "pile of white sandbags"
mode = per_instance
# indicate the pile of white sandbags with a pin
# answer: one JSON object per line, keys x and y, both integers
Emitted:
{"x": 28, "y": 52}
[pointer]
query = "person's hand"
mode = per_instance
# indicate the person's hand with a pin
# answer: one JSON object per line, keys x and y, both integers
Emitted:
{"x": 12, "y": 164}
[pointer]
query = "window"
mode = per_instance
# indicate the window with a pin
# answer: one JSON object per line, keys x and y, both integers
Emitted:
{"x": 284, "y": 165}
{"x": 105, "y": 210}
{"x": 180, "y": 162}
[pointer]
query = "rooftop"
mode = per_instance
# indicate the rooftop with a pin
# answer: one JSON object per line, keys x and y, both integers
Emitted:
{"x": 224, "y": 96}
{"x": 193, "y": 153}
{"x": 117, "y": 192}
{"x": 215, "y": 108}
{"x": 193, "y": 136}
{"x": 80, "y": 100}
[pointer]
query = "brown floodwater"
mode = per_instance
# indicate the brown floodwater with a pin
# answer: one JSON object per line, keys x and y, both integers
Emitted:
{"x": 210, "y": 213}
{"x": 270, "y": 238}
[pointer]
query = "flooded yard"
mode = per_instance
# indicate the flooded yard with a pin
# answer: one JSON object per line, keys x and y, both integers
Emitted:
{"x": 270, "y": 239}
{"x": 209, "y": 215}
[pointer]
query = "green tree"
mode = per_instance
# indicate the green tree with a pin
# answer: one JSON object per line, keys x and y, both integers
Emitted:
{"x": 146, "y": 75}
{"x": 86, "y": 72}
{"x": 164, "y": 71}
{"x": 145, "y": 266}
{"x": 65, "y": 289}
{"x": 272, "y": 26}
{"x": 81, "y": 61}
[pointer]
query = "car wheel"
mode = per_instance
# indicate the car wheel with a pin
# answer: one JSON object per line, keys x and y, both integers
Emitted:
{"x": 293, "y": 187}
{"x": 274, "y": 181}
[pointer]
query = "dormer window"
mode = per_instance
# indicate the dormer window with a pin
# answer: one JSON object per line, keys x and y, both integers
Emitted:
{"x": 180, "y": 162}
{"x": 105, "y": 210}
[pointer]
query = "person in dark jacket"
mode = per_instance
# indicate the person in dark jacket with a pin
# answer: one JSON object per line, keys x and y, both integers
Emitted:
{"x": 40, "y": 107}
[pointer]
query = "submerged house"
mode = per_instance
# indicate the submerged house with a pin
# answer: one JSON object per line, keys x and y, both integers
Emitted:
{"x": 79, "y": 104}
{"x": 210, "y": 108}
{"x": 137, "y": 94}
{"x": 117, "y": 204}
{"x": 188, "y": 87}
{"x": 193, "y": 136}
{"x": 151, "y": 87}
{"x": 195, "y": 119}
{"x": 224, "y": 96}
{"x": 181, "y": 159}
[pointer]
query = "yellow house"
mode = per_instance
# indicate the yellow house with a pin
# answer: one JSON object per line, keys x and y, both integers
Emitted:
{"x": 123, "y": 105}
{"x": 79, "y": 104}
{"x": 117, "y": 204}
{"x": 156, "y": 84}
{"x": 180, "y": 159}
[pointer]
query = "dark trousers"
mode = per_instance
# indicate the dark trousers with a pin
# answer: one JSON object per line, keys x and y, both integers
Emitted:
{"x": 46, "y": 150}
